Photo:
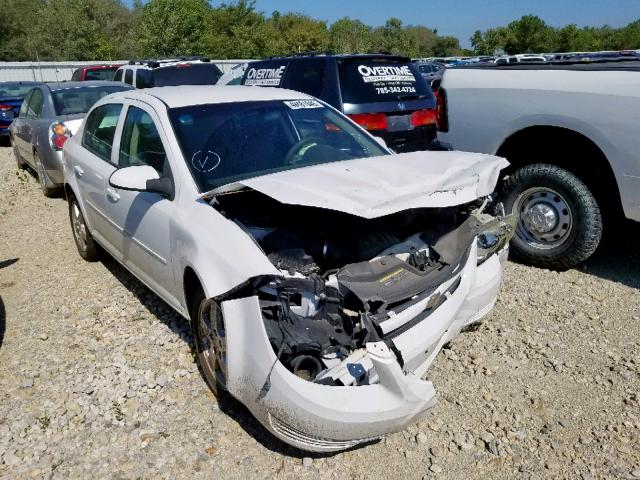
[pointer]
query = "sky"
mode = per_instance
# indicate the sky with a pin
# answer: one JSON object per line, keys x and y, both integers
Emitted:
{"x": 461, "y": 18}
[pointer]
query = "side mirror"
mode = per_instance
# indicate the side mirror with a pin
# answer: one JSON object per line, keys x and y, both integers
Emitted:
{"x": 8, "y": 114}
{"x": 141, "y": 178}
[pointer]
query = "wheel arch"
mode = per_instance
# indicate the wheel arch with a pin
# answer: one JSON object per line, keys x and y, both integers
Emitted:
{"x": 571, "y": 150}
{"x": 191, "y": 284}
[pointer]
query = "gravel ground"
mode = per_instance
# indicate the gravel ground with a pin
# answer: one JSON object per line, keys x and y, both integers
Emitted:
{"x": 97, "y": 375}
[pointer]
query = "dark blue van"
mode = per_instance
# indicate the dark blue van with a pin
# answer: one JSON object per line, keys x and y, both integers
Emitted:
{"x": 383, "y": 93}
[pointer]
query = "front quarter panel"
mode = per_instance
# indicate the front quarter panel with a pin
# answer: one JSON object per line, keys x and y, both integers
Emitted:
{"x": 222, "y": 254}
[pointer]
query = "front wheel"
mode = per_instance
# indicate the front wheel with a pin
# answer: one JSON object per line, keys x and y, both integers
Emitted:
{"x": 208, "y": 329}
{"x": 560, "y": 224}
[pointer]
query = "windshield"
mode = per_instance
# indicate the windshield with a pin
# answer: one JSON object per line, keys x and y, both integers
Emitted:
{"x": 225, "y": 143}
{"x": 101, "y": 73}
{"x": 14, "y": 90}
{"x": 380, "y": 80}
{"x": 70, "y": 101}
{"x": 187, "y": 74}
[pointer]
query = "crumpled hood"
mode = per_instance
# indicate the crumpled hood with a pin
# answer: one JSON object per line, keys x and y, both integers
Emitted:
{"x": 378, "y": 186}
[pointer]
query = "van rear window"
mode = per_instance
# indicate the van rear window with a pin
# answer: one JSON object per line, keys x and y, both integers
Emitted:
{"x": 187, "y": 74}
{"x": 369, "y": 81}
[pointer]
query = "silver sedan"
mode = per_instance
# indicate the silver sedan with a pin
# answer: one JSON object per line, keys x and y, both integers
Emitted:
{"x": 50, "y": 114}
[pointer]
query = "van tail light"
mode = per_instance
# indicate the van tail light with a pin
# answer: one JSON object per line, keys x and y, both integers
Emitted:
{"x": 423, "y": 117}
{"x": 370, "y": 121}
{"x": 442, "y": 117}
{"x": 6, "y": 107}
{"x": 60, "y": 133}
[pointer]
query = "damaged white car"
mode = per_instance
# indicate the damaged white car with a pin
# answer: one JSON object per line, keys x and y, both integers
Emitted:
{"x": 321, "y": 272}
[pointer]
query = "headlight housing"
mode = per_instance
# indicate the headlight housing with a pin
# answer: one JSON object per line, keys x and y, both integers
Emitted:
{"x": 494, "y": 235}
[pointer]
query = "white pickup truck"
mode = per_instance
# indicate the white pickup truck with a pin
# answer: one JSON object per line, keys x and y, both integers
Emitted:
{"x": 572, "y": 135}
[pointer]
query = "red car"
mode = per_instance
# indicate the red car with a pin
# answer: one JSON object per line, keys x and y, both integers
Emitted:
{"x": 94, "y": 72}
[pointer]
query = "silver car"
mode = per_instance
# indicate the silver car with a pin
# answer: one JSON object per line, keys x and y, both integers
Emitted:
{"x": 50, "y": 114}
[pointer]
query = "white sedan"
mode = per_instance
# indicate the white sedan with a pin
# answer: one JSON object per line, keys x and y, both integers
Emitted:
{"x": 321, "y": 272}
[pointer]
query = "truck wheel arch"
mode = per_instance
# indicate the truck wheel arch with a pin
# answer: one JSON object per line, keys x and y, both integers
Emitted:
{"x": 564, "y": 148}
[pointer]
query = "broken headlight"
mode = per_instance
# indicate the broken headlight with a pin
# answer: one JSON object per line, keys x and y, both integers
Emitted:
{"x": 494, "y": 235}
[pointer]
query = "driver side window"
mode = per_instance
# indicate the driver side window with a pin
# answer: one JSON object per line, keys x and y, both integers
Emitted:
{"x": 141, "y": 143}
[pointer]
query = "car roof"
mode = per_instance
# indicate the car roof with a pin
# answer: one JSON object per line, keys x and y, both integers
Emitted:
{"x": 20, "y": 82}
{"x": 339, "y": 56}
{"x": 99, "y": 67}
{"x": 53, "y": 86}
{"x": 187, "y": 95}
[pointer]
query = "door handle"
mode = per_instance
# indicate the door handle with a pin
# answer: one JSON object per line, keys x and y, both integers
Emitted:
{"x": 78, "y": 171}
{"x": 113, "y": 195}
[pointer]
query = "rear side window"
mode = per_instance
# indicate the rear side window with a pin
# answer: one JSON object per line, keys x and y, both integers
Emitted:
{"x": 118, "y": 76}
{"x": 368, "y": 81}
{"x": 100, "y": 74}
{"x": 141, "y": 143}
{"x": 306, "y": 77}
{"x": 76, "y": 75}
{"x": 128, "y": 76}
{"x": 144, "y": 79}
{"x": 25, "y": 105}
{"x": 100, "y": 130}
{"x": 187, "y": 74}
{"x": 34, "y": 109}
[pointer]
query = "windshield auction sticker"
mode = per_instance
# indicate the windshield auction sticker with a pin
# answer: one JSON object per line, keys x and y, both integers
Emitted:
{"x": 298, "y": 104}
{"x": 265, "y": 77}
{"x": 385, "y": 74}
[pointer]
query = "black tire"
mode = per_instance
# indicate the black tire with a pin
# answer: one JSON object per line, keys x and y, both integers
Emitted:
{"x": 87, "y": 246}
{"x": 43, "y": 178}
{"x": 578, "y": 227}
{"x": 210, "y": 347}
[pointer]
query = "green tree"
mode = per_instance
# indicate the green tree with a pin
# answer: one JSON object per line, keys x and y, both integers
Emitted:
{"x": 350, "y": 36}
{"x": 294, "y": 33}
{"x": 169, "y": 28}
{"x": 236, "y": 30}
{"x": 84, "y": 29}
{"x": 22, "y": 30}
{"x": 421, "y": 41}
{"x": 530, "y": 34}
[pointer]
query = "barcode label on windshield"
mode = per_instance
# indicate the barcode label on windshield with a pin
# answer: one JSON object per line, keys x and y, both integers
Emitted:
{"x": 298, "y": 104}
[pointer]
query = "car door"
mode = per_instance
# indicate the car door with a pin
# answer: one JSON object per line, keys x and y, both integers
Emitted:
{"x": 95, "y": 165}
{"x": 141, "y": 221}
{"x": 20, "y": 137}
{"x": 32, "y": 123}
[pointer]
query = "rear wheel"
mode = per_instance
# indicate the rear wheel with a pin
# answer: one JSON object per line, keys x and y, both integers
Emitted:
{"x": 560, "y": 224}
{"x": 209, "y": 334}
{"x": 46, "y": 185}
{"x": 87, "y": 247}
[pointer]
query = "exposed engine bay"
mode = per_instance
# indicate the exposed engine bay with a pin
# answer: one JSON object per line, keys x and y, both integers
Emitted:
{"x": 347, "y": 280}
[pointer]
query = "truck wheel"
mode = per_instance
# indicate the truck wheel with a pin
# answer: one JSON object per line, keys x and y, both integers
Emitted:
{"x": 208, "y": 329}
{"x": 560, "y": 223}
